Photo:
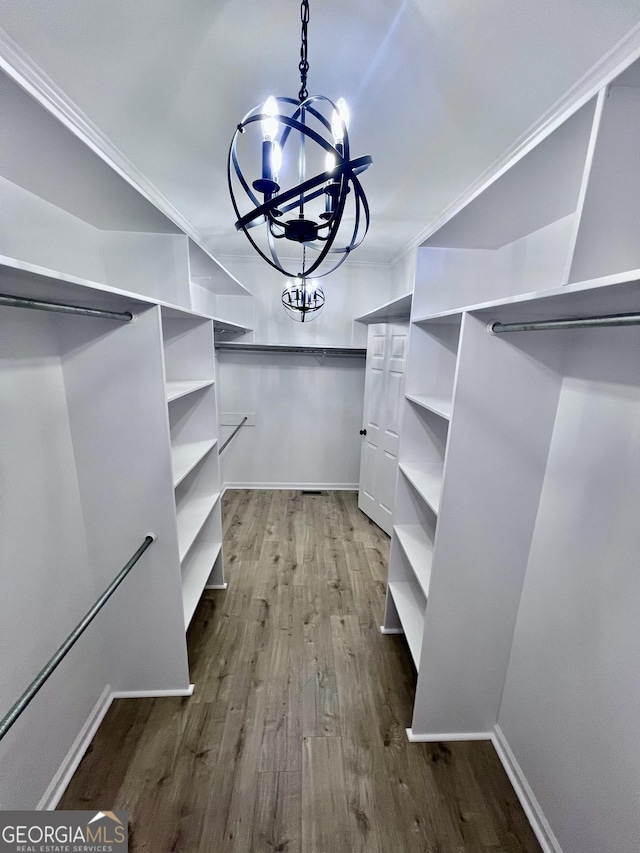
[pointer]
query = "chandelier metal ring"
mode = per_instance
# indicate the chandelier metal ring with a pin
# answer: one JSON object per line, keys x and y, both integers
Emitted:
{"x": 319, "y": 234}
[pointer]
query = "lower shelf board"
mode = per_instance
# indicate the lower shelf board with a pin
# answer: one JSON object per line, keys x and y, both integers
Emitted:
{"x": 442, "y": 406}
{"x": 418, "y": 548}
{"x": 411, "y": 609}
{"x": 185, "y": 457}
{"x": 196, "y": 570}
{"x": 426, "y": 479}
{"x": 191, "y": 518}
{"x": 177, "y": 389}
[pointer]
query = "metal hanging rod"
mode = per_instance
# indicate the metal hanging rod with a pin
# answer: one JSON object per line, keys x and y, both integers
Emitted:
{"x": 234, "y": 433}
{"x": 12, "y": 715}
{"x": 62, "y": 308}
{"x": 566, "y": 323}
{"x": 352, "y": 352}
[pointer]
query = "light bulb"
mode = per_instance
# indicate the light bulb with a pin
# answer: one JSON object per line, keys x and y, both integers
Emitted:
{"x": 329, "y": 161}
{"x": 343, "y": 110}
{"x": 276, "y": 159}
{"x": 270, "y": 124}
{"x": 340, "y": 120}
{"x": 337, "y": 127}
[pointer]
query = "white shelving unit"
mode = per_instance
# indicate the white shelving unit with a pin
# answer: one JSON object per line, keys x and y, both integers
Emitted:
{"x": 515, "y": 530}
{"x": 189, "y": 366}
{"x": 112, "y": 434}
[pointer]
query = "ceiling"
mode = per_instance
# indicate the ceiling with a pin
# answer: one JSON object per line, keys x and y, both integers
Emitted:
{"x": 438, "y": 89}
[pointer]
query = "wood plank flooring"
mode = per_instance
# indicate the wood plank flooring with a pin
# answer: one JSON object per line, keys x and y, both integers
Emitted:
{"x": 294, "y": 740}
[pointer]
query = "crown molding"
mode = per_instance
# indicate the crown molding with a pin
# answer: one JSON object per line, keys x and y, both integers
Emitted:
{"x": 606, "y": 69}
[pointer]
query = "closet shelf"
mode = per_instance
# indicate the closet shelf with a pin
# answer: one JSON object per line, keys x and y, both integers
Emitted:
{"x": 396, "y": 309}
{"x": 438, "y": 405}
{"x": 191, "y": 517}
{"x": 426, "y": 480}
{"x": 175, "y": 390}
{"x": 39, "y": 282}
{"x": 593, "y": 295}
{"x": 221, "y": 325}
{"x": 411, "y": 612}
{"x": 195, "y": 578}
{"x": 185, "y": 457}
{"x": 419, "y": 552}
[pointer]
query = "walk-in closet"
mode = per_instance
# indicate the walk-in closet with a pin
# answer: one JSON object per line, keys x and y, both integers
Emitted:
{"x": 324, "y": 543}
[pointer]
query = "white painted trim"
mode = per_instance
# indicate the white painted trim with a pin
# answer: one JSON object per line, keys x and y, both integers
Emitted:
{"x": 18, "y": 65}
{"x": 152, "y": 694}
{"x": 524, "y": 792}
{"x": 322, "y": 487}
{"x": 448, "y": 736}
{"x": 384, "y": 630}
{"x": 216, "y": 586}
{"x": 607, "y": 68}
{"x": 69, "y": 765}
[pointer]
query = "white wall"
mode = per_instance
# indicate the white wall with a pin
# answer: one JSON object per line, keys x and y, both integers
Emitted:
{"x": 307, "y": 417}
{"x": 307, "y": 414}
{"x": 571, "y": 701}
{"x": 46, "y": 580}
{"x": 350, "y": 291}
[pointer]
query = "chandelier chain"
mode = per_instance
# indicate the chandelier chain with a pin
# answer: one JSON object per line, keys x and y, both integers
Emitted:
{"x": 303, "y": 65}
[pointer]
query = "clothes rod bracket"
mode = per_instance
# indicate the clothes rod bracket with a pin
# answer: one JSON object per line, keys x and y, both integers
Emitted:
{"x": 633, "y": 319}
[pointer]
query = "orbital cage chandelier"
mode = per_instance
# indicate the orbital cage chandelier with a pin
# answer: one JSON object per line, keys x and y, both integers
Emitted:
{"x": 308, "y": 196}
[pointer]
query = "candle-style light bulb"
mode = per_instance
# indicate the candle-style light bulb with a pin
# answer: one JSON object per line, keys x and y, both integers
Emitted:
{"x": 343, "y": 110}
{"x": 270, "y": 124}
{"x": 340, "y": 120}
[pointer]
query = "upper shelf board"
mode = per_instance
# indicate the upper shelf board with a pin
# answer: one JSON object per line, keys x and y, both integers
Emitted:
{"x": 20, "y": 278}
{"x": 540, "y": 188}
{"x": 209, "y": 273}
{"x": 611, "y": 294}
{"x": 396, "y": 309}
{"x": 40, "y": 154}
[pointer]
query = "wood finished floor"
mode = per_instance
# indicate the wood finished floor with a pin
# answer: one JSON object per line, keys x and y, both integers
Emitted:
{"x": 294, "y": 739}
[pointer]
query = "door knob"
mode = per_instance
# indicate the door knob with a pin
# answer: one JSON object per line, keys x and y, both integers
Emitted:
{"x": 363, "y": 432}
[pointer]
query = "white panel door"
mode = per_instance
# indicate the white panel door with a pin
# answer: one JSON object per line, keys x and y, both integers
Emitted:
{"x": 383, "y": 398}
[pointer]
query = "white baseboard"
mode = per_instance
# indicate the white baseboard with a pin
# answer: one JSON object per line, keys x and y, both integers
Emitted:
{"x": 384, "y": 630}
{"x": 58, "y": 784}
{"x": 528, "y": 801}
{"x": 216, "y": 586}
{"x": 69, "y": 765}
{"x": 447, "y": 736}
{"x": 524, "y": 793}
{"x": 322, "y": 487}
{"x": 152, "y": 694}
